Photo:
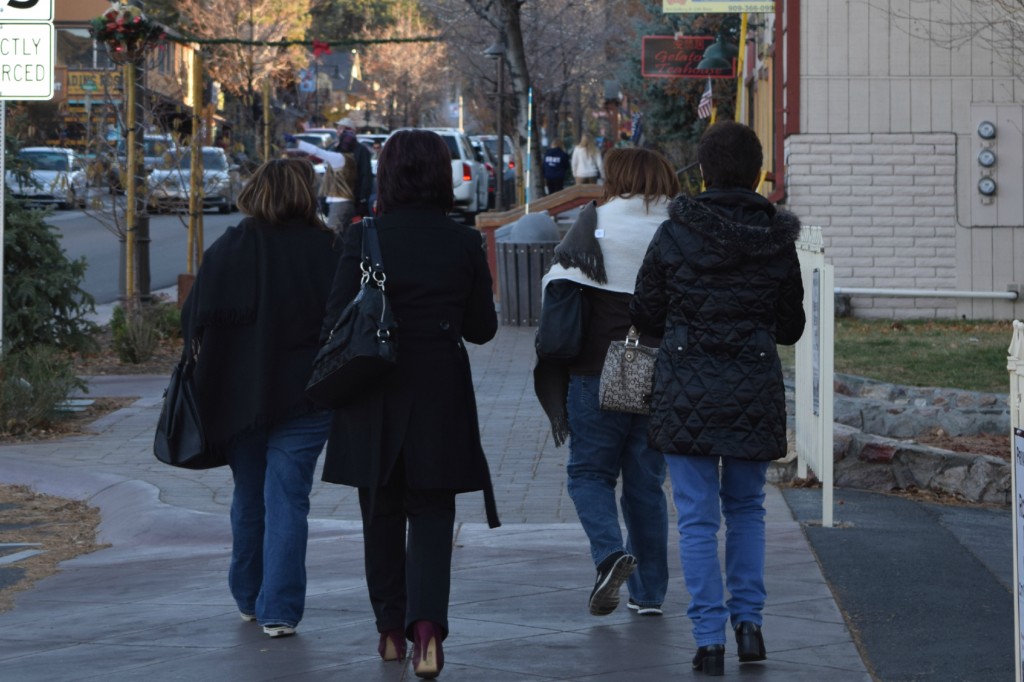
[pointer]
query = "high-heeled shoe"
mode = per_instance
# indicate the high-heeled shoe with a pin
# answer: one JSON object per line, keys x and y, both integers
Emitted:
{"x": 750, "y": 642}
{"x": 710, "y": 660}
{"x": 427, "y": 655}
{"x": 392, "y": 645}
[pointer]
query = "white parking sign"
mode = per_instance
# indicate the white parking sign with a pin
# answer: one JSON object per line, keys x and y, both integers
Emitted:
{"x": 26, "y": 10}
{"x": 26, "y": 61}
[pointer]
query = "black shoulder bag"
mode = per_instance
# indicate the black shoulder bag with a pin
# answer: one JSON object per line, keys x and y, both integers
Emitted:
{"x": 361, "y": 346}
{"x": 179, "y": 439}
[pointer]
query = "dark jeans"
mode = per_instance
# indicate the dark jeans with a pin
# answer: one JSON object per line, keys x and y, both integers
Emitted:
{"x": 555, "y": 184}
{"x": 408, "y": 576}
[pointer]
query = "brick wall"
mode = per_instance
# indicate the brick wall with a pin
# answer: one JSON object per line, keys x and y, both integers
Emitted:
{"x": 887, "y": 207}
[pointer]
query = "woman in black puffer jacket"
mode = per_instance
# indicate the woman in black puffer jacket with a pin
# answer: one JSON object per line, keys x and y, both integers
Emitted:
{"x": 721, "y": 285}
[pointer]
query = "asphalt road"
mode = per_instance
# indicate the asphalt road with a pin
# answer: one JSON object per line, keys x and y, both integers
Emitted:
{"x": 84, "y": 234}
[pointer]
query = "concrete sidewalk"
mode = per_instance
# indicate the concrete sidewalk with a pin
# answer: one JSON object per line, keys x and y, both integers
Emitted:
{"x": 155, "y": 605}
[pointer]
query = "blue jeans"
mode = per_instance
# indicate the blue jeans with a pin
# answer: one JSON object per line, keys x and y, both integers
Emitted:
{"x": 604, "y": 444}
{"x": 273, "y": 475}
{"x": 697, "y": 490}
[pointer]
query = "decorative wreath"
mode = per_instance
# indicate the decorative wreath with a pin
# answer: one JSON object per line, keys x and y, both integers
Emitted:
{"x": 126, "y": 31}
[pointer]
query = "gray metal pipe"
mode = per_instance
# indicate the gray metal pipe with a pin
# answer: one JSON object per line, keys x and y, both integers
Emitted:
{"x": 927, "y": 293}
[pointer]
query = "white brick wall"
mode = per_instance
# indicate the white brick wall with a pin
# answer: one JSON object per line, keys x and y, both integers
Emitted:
{"x": 887, "y": 207}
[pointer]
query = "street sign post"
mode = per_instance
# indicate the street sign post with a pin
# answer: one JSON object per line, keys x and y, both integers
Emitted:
{"x": 26, "y": 72}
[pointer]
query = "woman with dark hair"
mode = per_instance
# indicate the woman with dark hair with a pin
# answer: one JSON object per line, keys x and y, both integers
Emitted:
{"x": 413, "y": 442}
{"x": 721, "y": 285}
{"x": 255, "y": 312}
{"x": 601, "y": 254}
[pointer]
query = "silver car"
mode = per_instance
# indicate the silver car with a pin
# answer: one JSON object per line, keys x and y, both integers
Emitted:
{"x": 221, "y": 183}
{"x": 57, "y": 177}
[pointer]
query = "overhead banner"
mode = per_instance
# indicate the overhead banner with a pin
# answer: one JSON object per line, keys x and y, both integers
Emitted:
{"x": 716, "y": 7}
{"x": 671, "y": 57}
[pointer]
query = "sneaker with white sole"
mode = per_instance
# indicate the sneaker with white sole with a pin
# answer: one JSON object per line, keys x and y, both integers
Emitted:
{"x": 612, "y": 572}
{"x": 644, "y": 610}
{"x": 278, "y": 630}
{"x": 247, "y": 617}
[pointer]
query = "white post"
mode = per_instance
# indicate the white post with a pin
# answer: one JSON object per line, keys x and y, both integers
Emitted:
{"x": 1015, "y": 365}
{"x": 3, "y": 206}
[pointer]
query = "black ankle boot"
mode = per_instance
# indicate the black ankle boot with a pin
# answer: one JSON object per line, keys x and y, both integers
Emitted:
{"x": 710, "y": 660}
{"x": 749, "y": 642}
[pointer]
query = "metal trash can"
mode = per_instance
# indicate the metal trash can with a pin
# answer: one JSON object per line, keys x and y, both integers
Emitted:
{"x": 524, "y": 251}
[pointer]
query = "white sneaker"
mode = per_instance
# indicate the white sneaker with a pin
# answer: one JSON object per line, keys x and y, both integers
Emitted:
{"x": 644, "y": 610}
{"x": 278, "y": 630}
{"x": 247, "y": 617}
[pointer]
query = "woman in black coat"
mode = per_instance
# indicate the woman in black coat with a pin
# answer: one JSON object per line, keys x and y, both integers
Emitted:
{"x": 721, "y": 285}
{"x": 413, "y": 442}
{"x": 255, "y": 312}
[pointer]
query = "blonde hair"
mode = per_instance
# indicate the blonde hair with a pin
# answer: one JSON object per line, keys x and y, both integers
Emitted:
{"x": 632, "y": 171}
{"x": 282, "y": 191}
{"x": 587, "y": 143}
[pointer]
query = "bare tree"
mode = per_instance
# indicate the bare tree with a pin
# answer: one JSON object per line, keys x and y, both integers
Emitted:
{"x": 237, "y": 58}
{"x": 559, "y": 48}
{"x": 411, "y": 90}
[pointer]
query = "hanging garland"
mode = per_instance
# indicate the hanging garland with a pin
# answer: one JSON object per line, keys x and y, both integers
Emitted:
{"x": 185, "y": 40}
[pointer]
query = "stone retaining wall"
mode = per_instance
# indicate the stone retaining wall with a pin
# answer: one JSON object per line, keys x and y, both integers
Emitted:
{"x": 873, "y": 447}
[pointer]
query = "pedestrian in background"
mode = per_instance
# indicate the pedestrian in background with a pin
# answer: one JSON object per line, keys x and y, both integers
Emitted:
{"x": 255, "y": 312}
{"x": 602, "y": 252}
{"x": 556, "y": 163}
{"x": 413, "y": 441}
{"x": 721, "y": 285}
{"x": 586, "y": 161}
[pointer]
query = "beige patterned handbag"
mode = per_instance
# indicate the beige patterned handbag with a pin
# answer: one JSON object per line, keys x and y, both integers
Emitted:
{"x": 627, "y": 377}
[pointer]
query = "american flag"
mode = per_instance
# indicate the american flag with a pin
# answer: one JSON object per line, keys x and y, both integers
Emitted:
{"x": 704, "y": 106}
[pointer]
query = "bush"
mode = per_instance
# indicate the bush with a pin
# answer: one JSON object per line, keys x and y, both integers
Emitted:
{"x": 44, "y": 303}
{"x": 33, "y": 382}
{"x": 136, "y": 336}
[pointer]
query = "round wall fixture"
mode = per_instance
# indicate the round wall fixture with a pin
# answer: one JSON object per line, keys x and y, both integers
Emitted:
{"x": 987, "y": 158}
{"x": 987, "y": 186}
{"x": 987, "y": 130}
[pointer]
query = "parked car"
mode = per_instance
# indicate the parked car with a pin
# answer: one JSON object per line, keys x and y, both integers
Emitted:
{"x": 221, "y": 183}
{"x": 489, "y": 159}
{"x": 469, "y": 176}
{"x": 57, "y": 176}
{"x": 330, "y": 132}
{"x": 509, "y": 151}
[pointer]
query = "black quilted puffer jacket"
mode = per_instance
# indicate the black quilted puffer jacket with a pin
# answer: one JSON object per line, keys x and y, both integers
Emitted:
{"x": 721, "y": 285}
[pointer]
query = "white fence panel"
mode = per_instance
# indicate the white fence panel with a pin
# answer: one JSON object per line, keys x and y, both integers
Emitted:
{"x": 815, "y": 363}
{"x": 1015, "y": 365}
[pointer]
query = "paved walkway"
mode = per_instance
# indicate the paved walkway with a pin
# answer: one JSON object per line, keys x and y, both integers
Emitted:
{"x": 155, "y": 605}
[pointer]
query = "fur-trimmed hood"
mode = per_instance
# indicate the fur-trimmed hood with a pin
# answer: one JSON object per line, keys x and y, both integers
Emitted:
{"x": 732, "y": 223}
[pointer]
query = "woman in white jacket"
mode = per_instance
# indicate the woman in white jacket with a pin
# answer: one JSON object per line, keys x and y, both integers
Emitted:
{"x": 602, "y": 254}
{"x": 586, "y": 161}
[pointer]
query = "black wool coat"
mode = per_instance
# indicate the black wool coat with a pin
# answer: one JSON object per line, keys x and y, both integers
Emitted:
{"x": 721, "y": 284}
{"x": 439, "y": 287}
{"x": 256, "y": 307}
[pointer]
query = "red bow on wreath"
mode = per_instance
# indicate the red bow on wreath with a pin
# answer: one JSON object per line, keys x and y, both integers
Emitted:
{"x": 320, "y": 48}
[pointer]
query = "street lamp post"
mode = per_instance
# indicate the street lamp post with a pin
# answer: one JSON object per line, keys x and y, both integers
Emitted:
{"x": 497, "y": 51}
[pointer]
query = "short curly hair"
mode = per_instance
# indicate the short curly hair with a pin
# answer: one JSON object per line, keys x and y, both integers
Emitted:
{"x": 730, "y": 155}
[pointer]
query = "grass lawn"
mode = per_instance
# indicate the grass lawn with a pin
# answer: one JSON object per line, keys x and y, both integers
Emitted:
{"x": 963, "y": 354}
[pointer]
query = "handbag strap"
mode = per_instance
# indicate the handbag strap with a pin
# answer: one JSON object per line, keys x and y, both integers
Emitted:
{"x": 371, "y": 244}
{"x": 632, "y": 337}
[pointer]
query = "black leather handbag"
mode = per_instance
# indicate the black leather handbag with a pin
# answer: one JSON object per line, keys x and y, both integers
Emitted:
{"x": 563, "y": 321}
{"x": 361, "y": 346}
{"x": 179, "y": 439}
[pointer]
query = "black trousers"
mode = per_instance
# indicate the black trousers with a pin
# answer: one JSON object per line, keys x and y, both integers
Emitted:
{"x": 408, "y": 576}
{"x": 555, "y": 184}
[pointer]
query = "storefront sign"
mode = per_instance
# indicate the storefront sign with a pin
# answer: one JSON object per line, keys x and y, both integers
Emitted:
{"x": 670, "y": 57}
{"x": 716, "y": 7}
{"x": 96, "y": 83}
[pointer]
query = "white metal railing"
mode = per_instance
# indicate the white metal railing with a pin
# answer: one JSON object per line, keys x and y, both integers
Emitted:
{"x": 1015, "y": 365}
{"x": 814, "y": 368}
{"x": 927, "y": 293}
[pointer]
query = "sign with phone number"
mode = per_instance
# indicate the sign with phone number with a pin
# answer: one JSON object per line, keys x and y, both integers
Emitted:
{"x": 716, "y": 7}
